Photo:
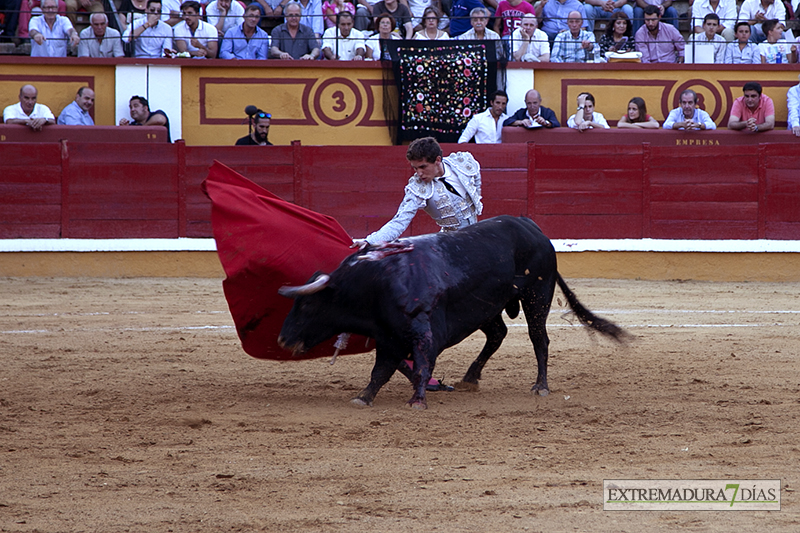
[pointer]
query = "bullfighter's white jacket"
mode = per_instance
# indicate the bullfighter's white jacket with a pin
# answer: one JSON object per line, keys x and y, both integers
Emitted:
{"x": 450, "y": 211}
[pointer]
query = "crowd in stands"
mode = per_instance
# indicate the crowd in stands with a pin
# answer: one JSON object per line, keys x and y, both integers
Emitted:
{"x": 546, "y": 30}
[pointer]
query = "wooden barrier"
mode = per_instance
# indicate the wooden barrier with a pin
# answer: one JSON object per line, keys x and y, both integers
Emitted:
{"x": 17, "y": 133}
{"x": 141, "y": 190}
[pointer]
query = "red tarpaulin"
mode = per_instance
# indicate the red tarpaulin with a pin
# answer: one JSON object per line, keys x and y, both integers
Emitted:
{"x": 264, "y": 243}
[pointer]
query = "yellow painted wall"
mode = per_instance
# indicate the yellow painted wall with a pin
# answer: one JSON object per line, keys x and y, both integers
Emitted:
{"x": 58, "y": 84}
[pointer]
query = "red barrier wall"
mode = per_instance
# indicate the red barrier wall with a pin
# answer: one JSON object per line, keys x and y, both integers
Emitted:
{"x": 124, "y": 190}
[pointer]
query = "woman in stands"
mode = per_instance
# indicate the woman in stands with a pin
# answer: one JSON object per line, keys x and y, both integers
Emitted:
{"x": 637, "y": 116}
{"x": 618, "y": 36}
{"x": 130, "y": 11}
{"x": 375, "y": 45}
{"x": 330, "y": 8}
{"x": 430, "y": 26}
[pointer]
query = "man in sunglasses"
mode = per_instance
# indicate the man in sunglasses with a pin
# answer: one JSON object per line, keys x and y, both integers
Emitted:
{"x": 258, "y": 136}
{"x": 150, "y": 36}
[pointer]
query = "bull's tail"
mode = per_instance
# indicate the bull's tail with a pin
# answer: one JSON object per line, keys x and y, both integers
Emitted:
{"x": 587, "y": 318}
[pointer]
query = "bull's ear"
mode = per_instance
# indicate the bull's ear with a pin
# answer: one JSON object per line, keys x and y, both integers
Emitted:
{"x": 309, "y": 288}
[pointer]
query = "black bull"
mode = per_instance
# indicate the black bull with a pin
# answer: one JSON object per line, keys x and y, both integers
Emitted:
{"x": 436, "y": 295}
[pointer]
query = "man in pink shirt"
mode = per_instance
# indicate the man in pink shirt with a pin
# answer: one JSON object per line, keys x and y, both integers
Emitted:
{"x": 659, "y": 42}
{"x": 754, "y": 111}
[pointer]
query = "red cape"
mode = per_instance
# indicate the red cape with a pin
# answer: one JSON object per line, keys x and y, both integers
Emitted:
{"x": 264, "y": 243}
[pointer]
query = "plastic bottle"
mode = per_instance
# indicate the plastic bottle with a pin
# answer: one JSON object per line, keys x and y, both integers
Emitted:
{"x": 778, "y": 57}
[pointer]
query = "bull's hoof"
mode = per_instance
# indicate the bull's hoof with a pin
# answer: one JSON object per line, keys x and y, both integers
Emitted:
{"x": 465, "y": 386}
{"x": 542, "y": 391}
{"x": 360, "y": 402}
{"x": 418, "y": 404}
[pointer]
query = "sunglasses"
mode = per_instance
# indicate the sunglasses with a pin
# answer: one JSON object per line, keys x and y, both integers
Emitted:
{"x": 263, "y": 115}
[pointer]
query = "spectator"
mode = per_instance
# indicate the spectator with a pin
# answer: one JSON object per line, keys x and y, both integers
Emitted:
{"x": 375, "y": 48}
{"x": 25, "y": 10}
{"x": 77, "y": 112}
{"x": 659, "y": 42}
{"x": 461, "y": 16}
{"x": 687, "y": 116}
{"x": 246, "y": 41}
{"x": 508, "y": 16}
{"x": 724, "y": 9}
{"x": 150, "y": 36}
{"x": 344, "y": 42}
{"x": 50, "y": 32}
{"x": 534, "y": 114}
{"x": 430, "y": 26}
{"x": 130, "y": 11}
{"x": 605, "y": 10}
{"x": 331, "y": 8}
{"x": 618, "y": 36}
{"x": 742, "y": 51}
{"x": 226, "y": 14}
{"x": 709, "y": 39}
{"x": 793, "y": 104}
{"x": 418, "y": 7}
{"x": 292, "y": 39}
{"x": 587, "y": 118}
{"x": 199, "y": 38}
{"x": 637, "y": 116}
{"x": 665, "y": 11}
{"x": 311, "y": 11}
{"x": 529, "y": 43}
{"x": 776, "y": 50}
{"x": 399, "y": 12}
{"x": 27, "y": 112}
{"x": 259, "y": 124}
{"x": 554, "y": 14}
{"x": 755, "y": 12}
{"x": 98, "y": 40}
{"x": 487, "y": 127}
{"x": 573, "y": 45}
{"x": 142, "y": 116}
{"x": 753, "y": 111}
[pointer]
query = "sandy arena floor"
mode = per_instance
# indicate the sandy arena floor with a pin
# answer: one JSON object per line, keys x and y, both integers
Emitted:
{"x": 128, "y": 405}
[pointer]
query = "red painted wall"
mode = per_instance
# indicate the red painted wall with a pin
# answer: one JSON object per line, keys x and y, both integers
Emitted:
{"x": 124, "y": 190}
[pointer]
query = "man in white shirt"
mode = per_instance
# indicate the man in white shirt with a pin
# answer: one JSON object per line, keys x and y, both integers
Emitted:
{"x": 708, "y": 39}
{"x": 687, "y": 116}
{"x": 199, "y": 38}
{"x": 343, "y": 42}
{"x": 793, "y": 103}
{"x": 529, "y": 43}
{"x": 151, "y": 36}
{"x": 27, "y": 112}
{"x": 755, "y": 12}
{"x": 487, "y": 127}
{"x": 224, "y": 15}
{"x": 98, "y": 40}
{"x": 51, "y": 32}
{"x": 724, "y": 9}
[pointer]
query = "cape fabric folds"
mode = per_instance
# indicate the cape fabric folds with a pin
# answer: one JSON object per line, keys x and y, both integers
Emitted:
{"x": 263, "y": 243}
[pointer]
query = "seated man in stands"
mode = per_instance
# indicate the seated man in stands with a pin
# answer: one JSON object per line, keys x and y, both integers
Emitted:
{"x": 344, "y": 42}
{"x": 554, "y": 14}
{"x": 752, "y": 112}
{"x": 51, "y": 32}
{"x": 742, "y": 51}
{"x": 479, "y": 19}
{"x": 27, "y": 112}
{"x": 293, "y": 40}
{"x": 573, "y": 45}
{"x": 709, "y": 38}
{"x": 529, "y": 43}
{"x": 659, "y": 42}
{"x": 193, "y": 35}
{"x": 586, "y": 117}
{"x": 687, "y": 116}
{"x": 260, "y": 131}
{"x": 151, "y": 36}
{"x": 487, "y": 127}
{"x": 246, "y": 41}
{"x": 665, "y": 11}
{"x": 755, "y": 12}
{"x": 793, "y": 104}
{"x": 534, "y": 114}
{"x": 77, "y": 112}
{"x": 226, "y": 14}
{"x": 98, "y": 40}
{"x": 142, "y": 116}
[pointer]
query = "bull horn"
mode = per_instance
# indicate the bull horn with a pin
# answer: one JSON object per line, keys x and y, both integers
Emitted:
{"x": 309, "y": 288}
